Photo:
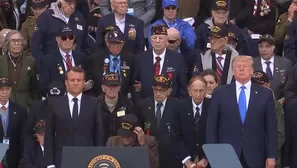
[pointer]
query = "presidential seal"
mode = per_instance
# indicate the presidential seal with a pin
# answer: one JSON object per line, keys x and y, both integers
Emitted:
{"x": 103, "y": 161}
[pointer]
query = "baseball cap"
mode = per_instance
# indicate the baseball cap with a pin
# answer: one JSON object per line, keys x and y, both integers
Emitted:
{"x": 267, "y": 38}
{"x": 220, "y": 4}
{"x": 218, "y": 31}
{"x": 39, "y": 127}
{"x": 159, "y": 30}
{"x": 56, "y": 88}
{"x": 66, "y": 30}
{"x": 4, "y": 81}
{"x": 38, "y": 3}
{"x": 163, "y": 81}
{"x": 115, "y": 36}
{"x": 127, "y": 125}
{"x": 111, "y": 79}
{"x": 166, "y": 3}
{"x": 232, "y": 36}
{"x": 259, "y": 77}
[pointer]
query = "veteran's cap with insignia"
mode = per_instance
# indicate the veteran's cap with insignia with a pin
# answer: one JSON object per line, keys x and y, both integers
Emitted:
{"x": 66, "y": 30}
{"x": 218, "y": 31}
{"x": 267, "y": 38}
{"x": 111, "y": 79}
{"x": 159, "y": 30}
{"x": 39, "y": 127}
{"x": 115, "y": 36}
{"x": 162, "y": 81}
{"x": 56, "y": 88}
{"x": 220, "y": 4}
{"x": 259, "y": 77}
{"x": 232, "y": 37}
{"x": 38, "y": 3}
{"x": 166, "y": 3}
{"x": 109, "y": 28}
{"x": 4, "y": 81}
{"x": 127, "y": 125}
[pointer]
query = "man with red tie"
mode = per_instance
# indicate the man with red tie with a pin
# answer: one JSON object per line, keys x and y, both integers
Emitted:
{"x": 55, "y": 65}
{"x": 220, "y": 54}
{"x": 159, "y": 61}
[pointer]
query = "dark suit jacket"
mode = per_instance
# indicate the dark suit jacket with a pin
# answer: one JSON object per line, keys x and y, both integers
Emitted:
{"x": 240, "y": 11}
{"x": 50, "y": 68}
{"x": 62, "y": 131}
{"x": 169, "y": 136}
{"x": 97, "y": 70}
{"x": 150, "y": 142}
{"x": 33, "y": 156}
{"x": 194, "y": 137}
{"x": 133, "y": 27}
{"x": 17, "y": 117}
{"x": 282, "y": 67}
{"x": 257, "y": 137}
{"x": 174, "y": 65}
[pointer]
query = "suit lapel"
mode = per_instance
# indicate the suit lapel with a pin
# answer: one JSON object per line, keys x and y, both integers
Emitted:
{"x": 150, "y": 65}
{"x": 233, "y": 101}
{"x": 126, "y": 31}
{"x": 151, "y": 117}
{"x": 165, "y": 65}
{"x": 252, "y": 100}
{"x": 65, "y": 108}
{"x": 77, "y": 61}
{"x": 276, "y": 77}
{"x": 258, "y": 64}
{"x": 12, "y": 114}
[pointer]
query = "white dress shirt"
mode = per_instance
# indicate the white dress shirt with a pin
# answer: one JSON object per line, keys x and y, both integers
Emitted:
{"x": 63, "y": 54}
{"x": 5, "y": 105}
{"x": 71, "y": 102}
{"x": 264, "y": 65}
{"x": 223, "y": 60}
{"x": 162, "y": 56}
{"x": 162, "y": 107}
{"x": 194, "y": 107}
{"x": 121, "y": 23}
{"x": 247, "y": 91}
{"x": 42, "y": 148}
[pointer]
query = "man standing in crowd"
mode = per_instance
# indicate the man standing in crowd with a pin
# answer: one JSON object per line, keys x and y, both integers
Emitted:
{"x": 194, "y": 118}
{"x": 159, "y": 116}
{"x": 59, "y": 61}
{"x": 170, "y": 8}
{"x": 276, "y": 68}
{"x": 243, "y": 115}
{"x": 20, "y": 68}
{"x": 131, "y": 26}
{"x": 131, "y": 135}
{"x": 50, "y": 23}
{"x": 112, "y": 105}
{"x": 219, "y": 56}
{"x": 112, "y": 59}
{"x": 159, "y": 61}
{"x": 13, "y": 118}
{"x": 74, "y": 120}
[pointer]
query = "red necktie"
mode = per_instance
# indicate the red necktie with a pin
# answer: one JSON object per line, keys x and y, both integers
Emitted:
{"x": 157, "y": 66}
{"x": 68, "y": 61}
{"x": 219, "y": 66}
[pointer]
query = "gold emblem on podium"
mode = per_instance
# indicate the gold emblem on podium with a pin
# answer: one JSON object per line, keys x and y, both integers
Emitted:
{"x": 103, "y": 161}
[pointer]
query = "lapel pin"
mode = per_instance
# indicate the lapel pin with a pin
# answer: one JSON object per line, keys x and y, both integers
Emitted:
{"x": 149, "y": 108}
{"x": 256, "y": 92}
{"x": 14, "y": 112}
{"x": 189, "y": 114}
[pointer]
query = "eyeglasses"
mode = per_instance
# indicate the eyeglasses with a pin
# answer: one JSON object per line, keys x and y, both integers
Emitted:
{"x": 159, "y": 90}
{"x": 64, "y": 37}
{"x": 170, "y": 7}
{"x": 172, "y": 41}
{"x": 16, "y": 41}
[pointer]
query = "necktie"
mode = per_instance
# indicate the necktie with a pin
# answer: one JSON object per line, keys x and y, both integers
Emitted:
{"x": 197, "y": 115}
{"x": 219, "y": 68}
{"x": 268, "y": 70}
{"x": 3, "y": 108}
{"x": 68, "y": 61}
{"x": 242, "y": 104}
{"x": 115, "y": 65}
{"x": 75, "y": 109}
{"x": 157, "y": 66}
{"x": 158, "y": 113}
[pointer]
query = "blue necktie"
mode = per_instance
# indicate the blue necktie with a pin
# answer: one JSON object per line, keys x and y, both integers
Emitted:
{"x": 268, "y": 71}
{"x": 242, "y": 103}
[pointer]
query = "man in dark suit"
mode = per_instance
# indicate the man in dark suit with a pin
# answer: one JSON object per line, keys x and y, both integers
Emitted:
{"x": 276, "y": 68}
{"x": 159, "y": 61}
{"x": 194, "y": 117}
{"x": 131, "y": 135}
{"x": 55, "y": 65}
{"x": 159, "y": 116}
{"x": 73, "y": 121}
{"x": 13, "y": 117}
{"x": 131, "y": 26}
{"x": 33, "y": 156}
{"x": 243, "y": 115}
{"x": 112, "y": 59}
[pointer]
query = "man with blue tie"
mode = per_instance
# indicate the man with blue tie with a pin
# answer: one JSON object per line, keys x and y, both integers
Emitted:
{"x": 242, "y": 114}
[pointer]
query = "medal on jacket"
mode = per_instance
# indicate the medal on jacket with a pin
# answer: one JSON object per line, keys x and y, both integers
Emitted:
{"x": 60, "y": 69}
{"x": 104, "y": 69}
{"x": 147, "y": 127}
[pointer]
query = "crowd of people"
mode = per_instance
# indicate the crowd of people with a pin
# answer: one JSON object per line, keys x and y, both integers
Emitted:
{"x": 170, "y": 75}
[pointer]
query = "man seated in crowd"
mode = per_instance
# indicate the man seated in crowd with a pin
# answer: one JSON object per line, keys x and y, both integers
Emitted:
{"x": 131, "y": 135}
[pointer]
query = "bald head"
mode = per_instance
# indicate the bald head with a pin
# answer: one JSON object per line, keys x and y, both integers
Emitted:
{"x": 173, "y": 34}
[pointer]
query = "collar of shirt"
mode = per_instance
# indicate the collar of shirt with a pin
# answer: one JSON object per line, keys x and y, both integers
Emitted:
{"x": 6, "y": 105}
{"x": 224, "y": 56}
{"x": 63, "y": 16}
{"x": 120, "y": 21}
{"x": 162, "y": 56}
{"x": 170, "y": 24}
{"x": 195, "y": 105}
{"x": 64, "y": 54}
{"x": 42, "y": 148}
{"x": 70, "y": 97}
{"x": 247, "y": 85}
{"x": 271, "y": 60}
{"x": 247, "y": 91}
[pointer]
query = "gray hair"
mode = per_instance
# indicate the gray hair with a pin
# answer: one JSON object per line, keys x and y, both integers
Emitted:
{"x": 5, "y": 45}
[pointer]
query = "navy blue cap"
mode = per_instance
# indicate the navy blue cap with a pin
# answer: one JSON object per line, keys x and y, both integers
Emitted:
{"x": 115, "y": 36}
{"x": 65, "y": 31}
{"x": 4, "y": 81}
{"x": 218, "y": 32}
{"x": 127, "y": 125}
